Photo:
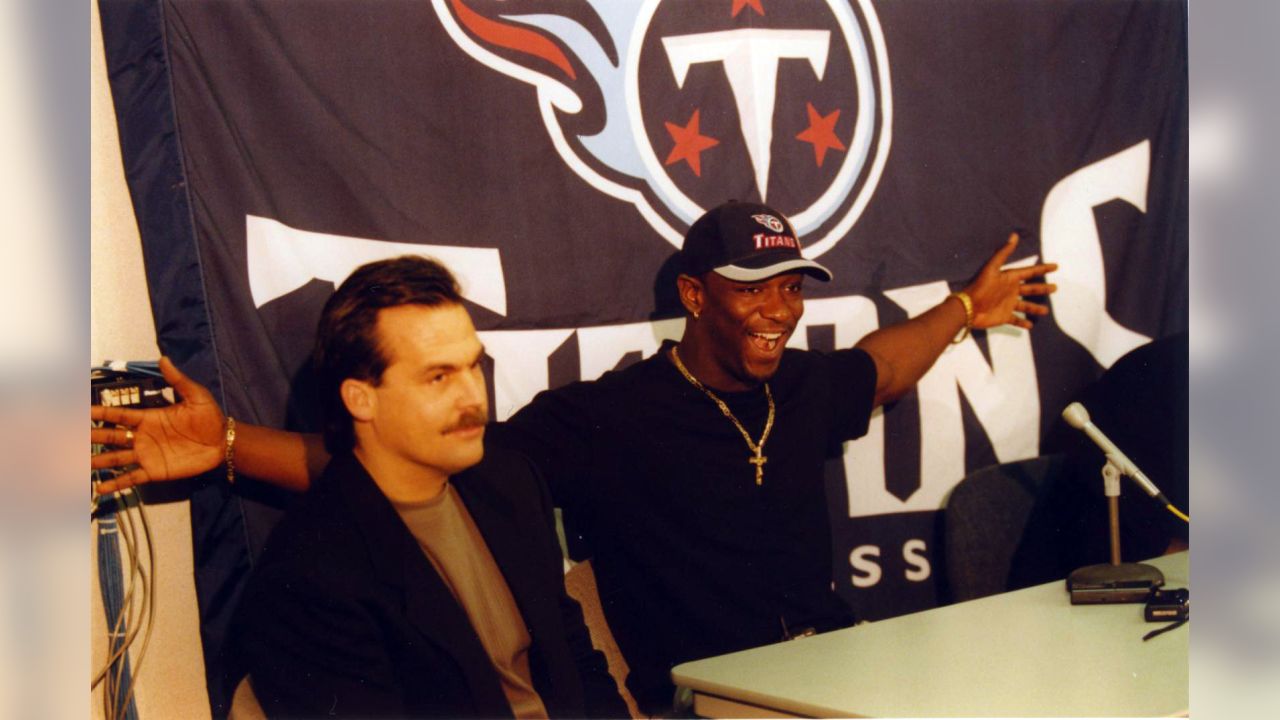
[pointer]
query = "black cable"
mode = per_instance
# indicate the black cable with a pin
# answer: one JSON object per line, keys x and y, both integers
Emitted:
{"x": 1165, "y": 629}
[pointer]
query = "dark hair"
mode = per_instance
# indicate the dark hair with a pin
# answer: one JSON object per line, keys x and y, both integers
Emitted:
{"x": 347, "y": 341}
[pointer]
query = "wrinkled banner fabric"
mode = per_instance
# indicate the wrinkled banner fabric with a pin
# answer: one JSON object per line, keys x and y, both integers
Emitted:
{"x": 553, "y": 154}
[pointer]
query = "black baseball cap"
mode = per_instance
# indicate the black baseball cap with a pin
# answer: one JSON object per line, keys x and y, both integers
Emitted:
{"x": 747, "y": 242}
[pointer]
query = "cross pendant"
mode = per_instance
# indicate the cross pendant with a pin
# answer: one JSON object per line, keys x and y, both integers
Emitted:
{"x": 759, "y": 460}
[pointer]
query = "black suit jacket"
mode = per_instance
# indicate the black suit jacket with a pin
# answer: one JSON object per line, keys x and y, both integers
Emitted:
{"x": 344, "y": 615}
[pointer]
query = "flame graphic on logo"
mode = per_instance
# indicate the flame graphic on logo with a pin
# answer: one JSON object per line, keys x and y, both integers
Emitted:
{"x": 510, "y": 36}
{"x": 613, "y": 146}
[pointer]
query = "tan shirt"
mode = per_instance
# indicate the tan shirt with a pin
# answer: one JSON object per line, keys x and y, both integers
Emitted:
{"x": 449, "y": 538}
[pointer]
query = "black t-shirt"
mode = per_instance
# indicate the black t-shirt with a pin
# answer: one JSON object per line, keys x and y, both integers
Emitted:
{"x": 692, "y": 558}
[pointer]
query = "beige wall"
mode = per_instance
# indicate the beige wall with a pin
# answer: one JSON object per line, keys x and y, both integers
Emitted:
{"x": 171, "y": 677}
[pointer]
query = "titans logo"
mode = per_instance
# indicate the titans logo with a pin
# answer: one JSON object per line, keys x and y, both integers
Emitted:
{"x": 675, "y": 105}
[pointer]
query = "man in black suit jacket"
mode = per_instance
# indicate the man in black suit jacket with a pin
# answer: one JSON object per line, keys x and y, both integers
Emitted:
{"x": 421, "y": 577}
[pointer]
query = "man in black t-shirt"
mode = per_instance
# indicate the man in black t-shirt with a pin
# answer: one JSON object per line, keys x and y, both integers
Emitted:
{"x": 692, "y": 557}
{"x": 694, "y": 478}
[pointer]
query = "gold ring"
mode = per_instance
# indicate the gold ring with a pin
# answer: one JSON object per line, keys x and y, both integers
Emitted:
{"x": 128, "y": 437}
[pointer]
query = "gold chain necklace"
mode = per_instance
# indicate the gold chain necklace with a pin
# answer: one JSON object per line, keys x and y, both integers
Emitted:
{"x": 758, "y": 459}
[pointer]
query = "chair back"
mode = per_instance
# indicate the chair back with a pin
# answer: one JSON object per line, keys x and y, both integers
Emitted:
{"x": 244, "y": 704}
{"x": 580, "y": 582}
{"x": 984, "y": 520}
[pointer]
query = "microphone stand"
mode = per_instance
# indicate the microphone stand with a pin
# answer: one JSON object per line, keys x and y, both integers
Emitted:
{"x": 1114, "y": 582}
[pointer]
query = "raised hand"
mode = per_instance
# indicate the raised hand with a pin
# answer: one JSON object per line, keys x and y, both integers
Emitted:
{"x": 997, "y": 294}
{"x": 178, "y": 441}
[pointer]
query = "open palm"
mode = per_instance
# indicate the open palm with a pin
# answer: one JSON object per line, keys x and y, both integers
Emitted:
{"x": 177, "y": 441}
{"x": 998, "y": 294}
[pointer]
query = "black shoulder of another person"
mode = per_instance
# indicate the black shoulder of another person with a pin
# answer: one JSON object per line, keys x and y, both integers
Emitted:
{"x": 1141, "y": 398}
{"x": 504, "y": 469}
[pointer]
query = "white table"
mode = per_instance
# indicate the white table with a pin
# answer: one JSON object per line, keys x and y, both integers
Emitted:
{"x": 1023, "y": 653}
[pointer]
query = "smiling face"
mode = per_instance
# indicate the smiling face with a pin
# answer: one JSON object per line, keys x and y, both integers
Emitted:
{"x": 741, "y": 329}
{"x": 425, "y": 415}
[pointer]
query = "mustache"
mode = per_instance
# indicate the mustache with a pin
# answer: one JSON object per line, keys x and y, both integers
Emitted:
{"x": 470, "y": 419}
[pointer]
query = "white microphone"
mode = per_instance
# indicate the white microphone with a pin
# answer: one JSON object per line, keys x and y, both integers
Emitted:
{"x": 1078, "y": 418}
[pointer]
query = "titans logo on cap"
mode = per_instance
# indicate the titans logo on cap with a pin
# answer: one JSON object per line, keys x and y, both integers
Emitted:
{"x": 770, "y": 222}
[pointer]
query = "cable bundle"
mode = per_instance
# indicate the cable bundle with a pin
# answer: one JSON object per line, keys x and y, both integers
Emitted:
{"x": 128, "y": 593}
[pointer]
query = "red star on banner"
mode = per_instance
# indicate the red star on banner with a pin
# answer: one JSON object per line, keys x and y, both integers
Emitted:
{"x": 739, "y": 4}
{"x": 689, "y": 144}
{"x": 821, "y": 133}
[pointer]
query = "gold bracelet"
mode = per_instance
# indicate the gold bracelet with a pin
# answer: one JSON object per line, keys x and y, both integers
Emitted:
{"x": 230, "y": 454}
{"x": 967, "y": 302}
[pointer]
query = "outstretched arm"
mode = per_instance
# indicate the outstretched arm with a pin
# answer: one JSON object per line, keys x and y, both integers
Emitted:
{"x": 189, "y": 437}
{"x": 903, "y": 353}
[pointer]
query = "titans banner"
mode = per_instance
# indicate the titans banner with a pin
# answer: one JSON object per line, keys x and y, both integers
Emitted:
{"x": 553, "y": 154}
